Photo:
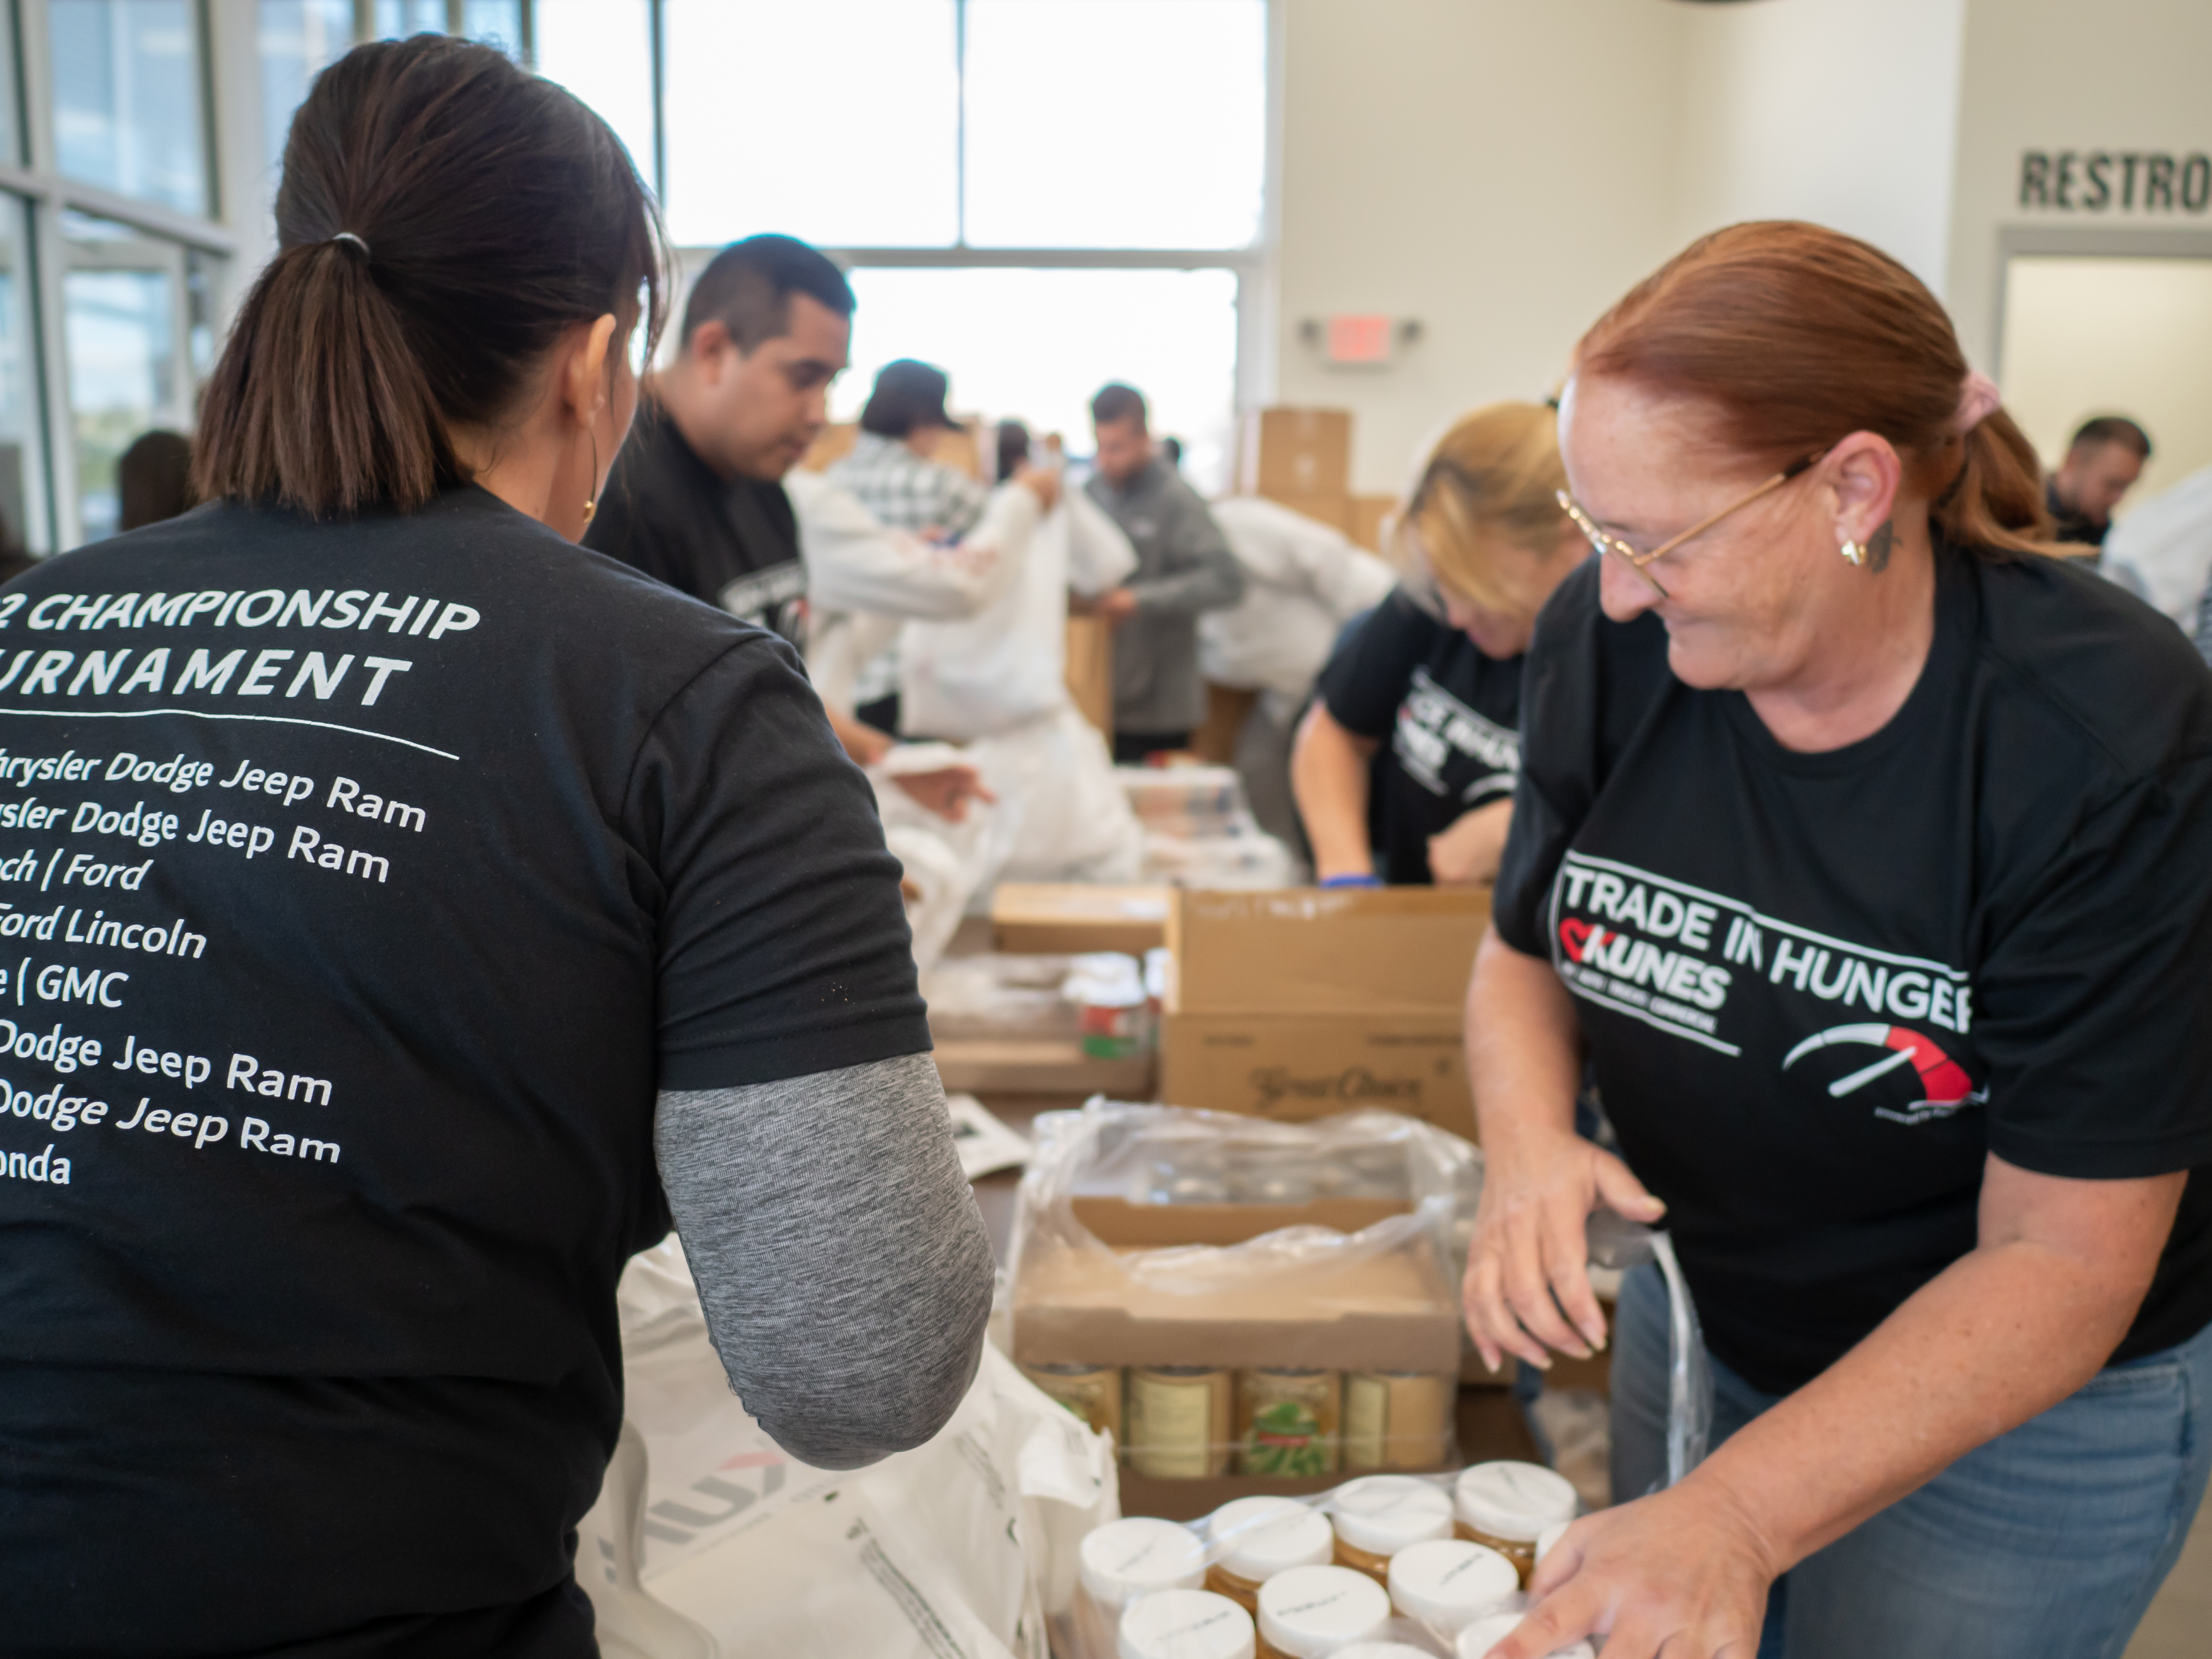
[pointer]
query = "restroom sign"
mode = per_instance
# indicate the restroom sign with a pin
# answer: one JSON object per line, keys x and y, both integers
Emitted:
{"x": 2125, "y": 181}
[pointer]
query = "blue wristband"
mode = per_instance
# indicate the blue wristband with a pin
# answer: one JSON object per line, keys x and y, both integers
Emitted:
{"x": 1350, "y": 881}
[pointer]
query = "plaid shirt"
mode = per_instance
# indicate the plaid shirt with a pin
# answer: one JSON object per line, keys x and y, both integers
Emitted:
{"x": 905, "y": 491}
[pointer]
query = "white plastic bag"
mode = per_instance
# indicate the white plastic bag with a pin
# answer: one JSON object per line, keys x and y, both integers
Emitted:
{"x": 1070, "y": 821}
{"x": 1007, "y": 665}
{"x": 708, "y": 1542}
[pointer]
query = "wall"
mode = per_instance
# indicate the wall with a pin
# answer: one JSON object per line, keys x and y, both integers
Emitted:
{"x": 2116, "y": 76}
{"x": 1842, "y": 111}
{"x": 1497, "y": 169}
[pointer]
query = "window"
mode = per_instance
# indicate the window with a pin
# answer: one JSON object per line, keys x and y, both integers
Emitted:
{"x": 127, "y": 114}
{"x": 298, "y": 40}
{"x": 124, "y": 298}
{"x": 1032, "y": 345}
{"x": 23, "y": 503}
{"x": 602, "y": 51}
{"x": 854, "y": 140}
{"x": 1117, "y": 123}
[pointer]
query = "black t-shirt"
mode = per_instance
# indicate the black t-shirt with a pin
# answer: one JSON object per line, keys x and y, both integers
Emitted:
{"x": 2068, "y": 524}
{"x": 734, "y": 544}
{"x": 390, "y": 865}
{"x": 1452, "y": 716}
{"x": 1820, "y": 988}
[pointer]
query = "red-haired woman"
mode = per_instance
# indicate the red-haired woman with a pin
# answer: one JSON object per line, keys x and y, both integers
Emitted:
{"x": 1869, "y": 854}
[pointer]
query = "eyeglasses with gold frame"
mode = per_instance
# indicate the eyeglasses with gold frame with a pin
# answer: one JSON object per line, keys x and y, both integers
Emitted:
{"x": 1640, "y": 561}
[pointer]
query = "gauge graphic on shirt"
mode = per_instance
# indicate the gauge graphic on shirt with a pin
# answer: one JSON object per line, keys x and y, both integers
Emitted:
{"x": 1944, "y": 1085}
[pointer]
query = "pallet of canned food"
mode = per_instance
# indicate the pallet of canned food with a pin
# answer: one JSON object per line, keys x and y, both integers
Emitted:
{"x": 1248, "y": 1308}
{"x": 1386, "y": 1566}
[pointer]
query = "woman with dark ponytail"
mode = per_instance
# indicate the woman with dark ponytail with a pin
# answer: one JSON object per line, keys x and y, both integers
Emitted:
{"x": 418, "y": 912}
{"x": 1865, "y": 851}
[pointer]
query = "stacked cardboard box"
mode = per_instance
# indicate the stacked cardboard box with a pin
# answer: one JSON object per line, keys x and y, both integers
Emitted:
{"x": 1301, "y": 458}
{"x": 1300, "y": 1004}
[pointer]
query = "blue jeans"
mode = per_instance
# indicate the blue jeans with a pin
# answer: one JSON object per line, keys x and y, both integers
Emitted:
{"x": 2046, "y": 1543}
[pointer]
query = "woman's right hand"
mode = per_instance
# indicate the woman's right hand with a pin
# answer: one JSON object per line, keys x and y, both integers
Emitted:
{"x": 1528, "y": 1286}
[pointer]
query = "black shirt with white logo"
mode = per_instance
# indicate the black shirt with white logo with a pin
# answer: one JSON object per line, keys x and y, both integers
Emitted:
{"x": 1451, "y": 717}
{"x": 359, "y": 884}
{"x": 733, "y": 543}
{"x": 1818, "y": 989}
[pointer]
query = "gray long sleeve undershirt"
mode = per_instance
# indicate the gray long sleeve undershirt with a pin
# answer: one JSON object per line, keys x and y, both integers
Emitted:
{"x": 839, "y": 1254}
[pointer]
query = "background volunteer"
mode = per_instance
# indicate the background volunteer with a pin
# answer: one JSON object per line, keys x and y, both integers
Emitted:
{"x": 1867, "y": 852}
{"x": 889, "y": 471}
{"x": 1484, "y": 527}
{"x": 580, "y": 918}
{"x": 1183, "y": 567}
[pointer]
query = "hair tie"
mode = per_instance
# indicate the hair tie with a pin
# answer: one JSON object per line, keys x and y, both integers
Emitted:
{"x": 1979, "y": 399}
{"x": 348, "y": 236}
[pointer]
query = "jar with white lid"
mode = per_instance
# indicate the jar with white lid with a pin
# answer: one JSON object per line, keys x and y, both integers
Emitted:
{"x": 1185, "y": 1623}
{"x": 1507, "y": 1506}
{"x": 1314, "y": 1613}
{"x": 1123, "y": 1560}
{"x": 1449, "y": 1584}
{"x": 1382, "y": 1650}
{"x": 1376, "y": 1517}
{"x": 1485, "y": 1633}
{"x": 1254, "y": 1538}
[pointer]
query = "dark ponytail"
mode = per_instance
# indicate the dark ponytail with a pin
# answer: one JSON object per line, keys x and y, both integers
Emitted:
{"x": 484, "y": 211}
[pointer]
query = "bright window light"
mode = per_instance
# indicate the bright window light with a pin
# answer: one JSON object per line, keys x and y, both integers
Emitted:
{"x": 602, "y": 51}
{"x": 836, "y": 121}
{"x": 1117, "y": 123}
{"x": 1033, "y": 345}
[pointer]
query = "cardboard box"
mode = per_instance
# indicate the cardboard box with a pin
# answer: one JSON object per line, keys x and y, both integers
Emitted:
{"x": 1089, "y": 672}
{"x": 1069, "y": 918}
{"x": 1392, "y": 1312}
{"x": 1038, "y": 1066}
{"x": 1227, "y": 708}
{"x": 1368, "y": 514}
{"x": 1331, "y": 508}
{"x": 830, "y": 445}
{"x": 1304, "y": 1003}
{"x": 1294, "y": 1067}
{"x": 1295, "y": 451}
{"x": 1389, "y": 950}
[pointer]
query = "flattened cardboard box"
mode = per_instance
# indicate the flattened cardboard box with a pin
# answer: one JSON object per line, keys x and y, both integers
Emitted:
{"x": 1392, "y": 950}
{"x": 1078, "y": 1307}
{"x": 1293, "y": 1067}
{"x": 1069, "y": 918}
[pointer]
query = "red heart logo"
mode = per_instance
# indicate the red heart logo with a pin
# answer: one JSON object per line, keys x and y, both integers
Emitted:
{"x": 1573, "y": 935}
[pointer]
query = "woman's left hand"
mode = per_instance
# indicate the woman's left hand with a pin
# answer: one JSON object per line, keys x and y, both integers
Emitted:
{"x": 1467, "y": 854}
{"x": 1686, "y": 1570}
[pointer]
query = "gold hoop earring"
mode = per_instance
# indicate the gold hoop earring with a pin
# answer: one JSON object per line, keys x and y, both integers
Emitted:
{"x": 592, "y": 502}
{"x": 1851, "y": 550}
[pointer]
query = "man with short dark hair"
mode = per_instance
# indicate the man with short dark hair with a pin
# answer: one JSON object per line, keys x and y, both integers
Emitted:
{"x": 2102, "y": 463}
{"x": 695, "y": 498}
{"x": 1184, "y": 568}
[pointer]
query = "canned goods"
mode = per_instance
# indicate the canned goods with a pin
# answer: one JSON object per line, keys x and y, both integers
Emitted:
{"x": 1092, "y": 1393}
{"x": 1178, "y": 1422}
{"x": 1396, "y": 1419}
{"x": 1287, "y": 1422}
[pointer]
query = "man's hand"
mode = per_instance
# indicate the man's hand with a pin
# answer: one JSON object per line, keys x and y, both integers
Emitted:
{"x": 946, "y": 792}
{"x": 1467, "y": 854}
{"x": 1113, "y": 608}
{"x": 861, "y": 741}
{"x": 1041, "y": 482}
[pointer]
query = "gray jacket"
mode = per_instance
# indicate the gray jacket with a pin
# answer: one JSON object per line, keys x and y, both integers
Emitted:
{"x": 1184, "y": 567}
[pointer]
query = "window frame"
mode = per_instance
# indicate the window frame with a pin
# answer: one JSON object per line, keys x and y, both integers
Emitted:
{"x": 48, "y": 196}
